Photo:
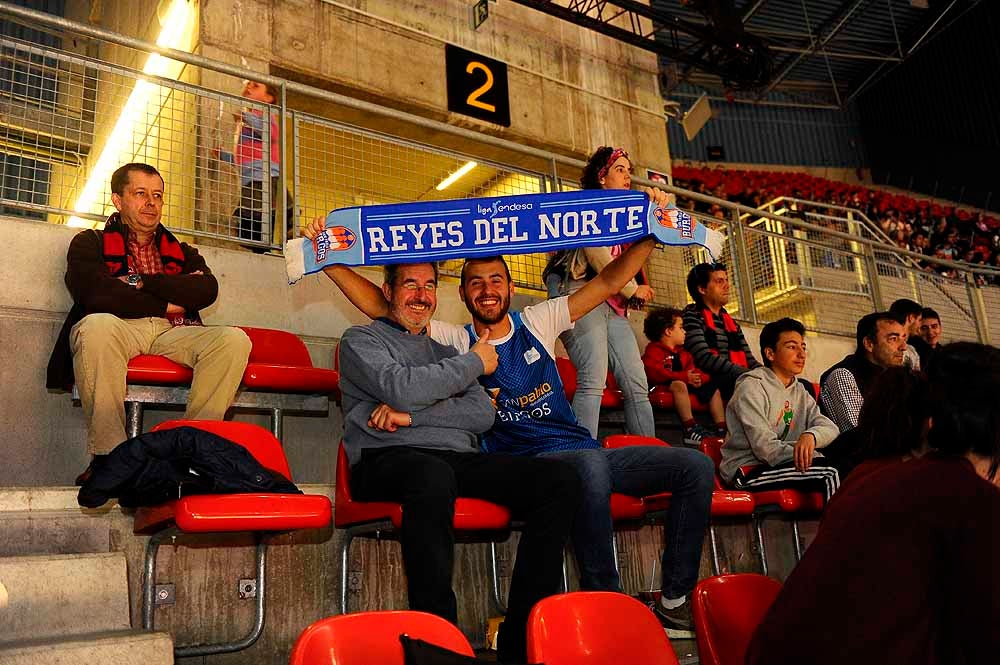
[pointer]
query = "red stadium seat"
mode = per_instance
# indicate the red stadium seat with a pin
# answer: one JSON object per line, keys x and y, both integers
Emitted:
{"x": 726, "y": 612}
{"x": 726, "y": 504}
{"x": 373, "y": 637}
{"x": 596, "y": 628}
{"x": 262, "y": 514}
{"x": 279, "y": 377}
{"x": 661, "y": 398}
{"x": 379, "y": 518}
{"x": 158, "y": 371}
{"x": 613, "y": 398}
{"x": 791, "y": 502}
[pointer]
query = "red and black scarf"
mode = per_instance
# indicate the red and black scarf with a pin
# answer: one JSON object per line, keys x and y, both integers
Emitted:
{"x": 115, "y": 250}
{"x": 737, "y": 355}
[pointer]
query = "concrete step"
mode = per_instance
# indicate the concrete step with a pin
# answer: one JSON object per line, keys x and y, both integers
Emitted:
{"x": 109, "y": 648}
{"x": 58, "y": 596}
{"x": 47, "y": 520}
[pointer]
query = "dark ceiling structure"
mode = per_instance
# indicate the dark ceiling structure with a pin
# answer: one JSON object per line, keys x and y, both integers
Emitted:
{"x": 820, "y": 53}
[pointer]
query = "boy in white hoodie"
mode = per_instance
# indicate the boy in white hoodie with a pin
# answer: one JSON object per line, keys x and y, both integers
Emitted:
{"x": 775, "y": 427}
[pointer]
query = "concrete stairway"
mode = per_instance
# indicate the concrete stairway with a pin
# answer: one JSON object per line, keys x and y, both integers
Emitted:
{"x": 67, "y": 594}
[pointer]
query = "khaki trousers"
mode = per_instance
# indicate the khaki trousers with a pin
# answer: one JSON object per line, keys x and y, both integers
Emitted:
{"x": 102, "y": 345}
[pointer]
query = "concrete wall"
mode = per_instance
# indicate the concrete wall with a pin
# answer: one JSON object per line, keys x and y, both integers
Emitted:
{"x": 571, "y": 89}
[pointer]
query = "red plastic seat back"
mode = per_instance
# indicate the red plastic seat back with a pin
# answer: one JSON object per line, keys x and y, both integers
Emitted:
{"x": 372, "y": 637}
{"x": 625, "y": 440}
{"x": 277, "y": 347}
{"x": 567, "y": 373}
{"x": 262, "y": 445}
{"x": 727, "y": 610}
{"x": 596, "y": 628}
{"x": 712, "y": 446}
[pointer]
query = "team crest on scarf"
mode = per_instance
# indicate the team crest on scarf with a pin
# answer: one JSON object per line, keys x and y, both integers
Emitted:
{"x": 674, "y": 218}
{"x": 333, "y": 239}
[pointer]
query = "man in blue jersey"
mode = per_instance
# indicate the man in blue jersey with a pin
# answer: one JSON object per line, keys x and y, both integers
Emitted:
{"x": 535, "y": 418}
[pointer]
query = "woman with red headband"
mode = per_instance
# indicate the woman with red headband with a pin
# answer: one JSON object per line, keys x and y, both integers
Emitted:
{"x": 604, "y": 336}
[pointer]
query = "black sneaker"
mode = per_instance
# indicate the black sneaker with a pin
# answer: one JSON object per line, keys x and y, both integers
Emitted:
{"x": 677, "y": 622}
{"x": 694, "y": 435}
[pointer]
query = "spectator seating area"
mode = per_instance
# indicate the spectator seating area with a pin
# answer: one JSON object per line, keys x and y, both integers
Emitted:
{"x": 279, "y": 378}
{"x": 261, "y": 514}
{"x": 580, "y": 628}
{"x": 918, "y": 225}
{"x": 474, "y": 519}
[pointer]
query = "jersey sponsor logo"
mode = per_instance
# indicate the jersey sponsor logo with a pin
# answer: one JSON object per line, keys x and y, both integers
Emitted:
{"x": 531, "y": 355}
{"x": 534, "y": 413}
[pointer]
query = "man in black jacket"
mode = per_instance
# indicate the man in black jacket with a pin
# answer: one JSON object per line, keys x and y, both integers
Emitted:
{"x": 137, "y": 290}
{"x": 881, "y": 343}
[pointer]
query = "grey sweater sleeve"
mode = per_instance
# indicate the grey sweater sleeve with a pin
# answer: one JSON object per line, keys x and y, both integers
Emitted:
{"x": 749, "y": 408}
{"x": 821, "y": 427}
{"x": 408, "y": 388}
{"x": 471, "y": 410}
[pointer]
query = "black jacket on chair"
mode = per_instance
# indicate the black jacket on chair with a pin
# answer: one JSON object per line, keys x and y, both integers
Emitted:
{"x": 159, "y": 466}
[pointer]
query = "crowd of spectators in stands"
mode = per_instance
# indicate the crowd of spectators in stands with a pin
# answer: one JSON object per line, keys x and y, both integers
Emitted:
{"x": 421, "y": 430}
{"x": 917, "y": 225}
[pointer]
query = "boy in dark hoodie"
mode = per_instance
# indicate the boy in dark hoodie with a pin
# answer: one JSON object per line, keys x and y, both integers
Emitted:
{"x": 776, "y": 428}
{"x": 668, "y": 363}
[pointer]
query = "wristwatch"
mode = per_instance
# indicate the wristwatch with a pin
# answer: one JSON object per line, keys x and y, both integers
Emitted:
{"x": 133, "y": 279}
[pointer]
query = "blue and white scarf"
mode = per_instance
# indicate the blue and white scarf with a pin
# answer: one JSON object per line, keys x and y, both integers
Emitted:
{"x": 465, "y": 228}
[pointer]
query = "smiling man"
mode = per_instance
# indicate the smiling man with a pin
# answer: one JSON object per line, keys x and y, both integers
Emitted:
{"x": 775, "y": 426}
{"x": 136, "y": 289}
{"x": 534, "y": 418}
{"x": 413, "y": 412}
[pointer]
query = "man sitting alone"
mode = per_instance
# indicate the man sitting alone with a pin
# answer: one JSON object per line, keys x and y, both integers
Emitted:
{"x": 136, "y": 289}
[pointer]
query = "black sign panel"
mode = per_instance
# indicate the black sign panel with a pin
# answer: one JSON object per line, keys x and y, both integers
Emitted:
{"x": 477, "y": 86}
{"x": 715, "y": 153}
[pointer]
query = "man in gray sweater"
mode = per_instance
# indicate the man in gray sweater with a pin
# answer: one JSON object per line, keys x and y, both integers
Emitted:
{"x": 775, "y": 426}
{"x": 413, "y": 409}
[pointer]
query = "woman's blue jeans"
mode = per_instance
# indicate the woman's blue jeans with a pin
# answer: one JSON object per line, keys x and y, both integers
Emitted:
{"x": 601, "y": 340}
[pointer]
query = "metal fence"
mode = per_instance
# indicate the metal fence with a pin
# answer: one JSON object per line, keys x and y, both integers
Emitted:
{"x": 67, "y": 120}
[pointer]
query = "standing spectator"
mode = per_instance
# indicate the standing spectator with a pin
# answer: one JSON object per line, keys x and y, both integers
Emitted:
{"x": 249, "y": 157}
{"x": 605, "y": 331}
{"x": 776, "y": 428}
{"x": 925, "y": 590}
{"x": 881, "y": 343}
{"x": 136, "y": 289}
{"x": 908, "y": 313}
{"x": 668, "y": 363}
{"x": 714, "y": 340}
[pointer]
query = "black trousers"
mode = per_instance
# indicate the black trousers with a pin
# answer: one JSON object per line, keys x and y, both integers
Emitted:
{"x": 248, "y": 215}
{"x": 543, "y": 493}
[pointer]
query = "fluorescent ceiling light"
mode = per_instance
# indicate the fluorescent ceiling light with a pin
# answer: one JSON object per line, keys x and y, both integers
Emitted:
{"x": 449, "y": 181}
{"x": 141, "y": 108}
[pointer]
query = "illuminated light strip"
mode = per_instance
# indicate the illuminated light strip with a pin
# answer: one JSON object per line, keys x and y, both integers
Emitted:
{"x": 450, "y": 180}
{"x": 135, "y": 114}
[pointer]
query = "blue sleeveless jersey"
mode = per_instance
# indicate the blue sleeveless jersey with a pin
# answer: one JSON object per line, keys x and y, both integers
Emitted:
{"x": 533, "y": 414}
